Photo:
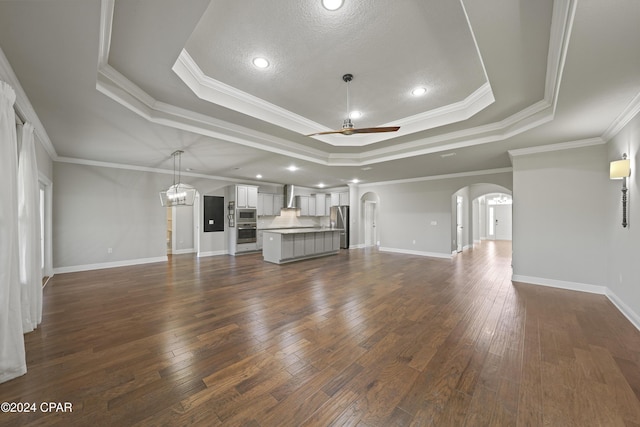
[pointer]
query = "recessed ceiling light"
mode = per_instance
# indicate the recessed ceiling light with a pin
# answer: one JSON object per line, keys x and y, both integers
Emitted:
{"x": 321, "y": 185}
{"x": 366, "y": 168}
{"x": 447, "y": 155}
{"x": 332, "y": 4}
{"x": 259, "y": 176}
{"x": 260, "y": 62}
{"x": 292, "y": 168}
{"x": 355, "y": 180}
{"x": 355, "y": 114}
{"x": 418, "y": 91}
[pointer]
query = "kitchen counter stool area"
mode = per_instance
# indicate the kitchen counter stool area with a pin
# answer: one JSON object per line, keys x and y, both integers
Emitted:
{"x": 288, "y": 245}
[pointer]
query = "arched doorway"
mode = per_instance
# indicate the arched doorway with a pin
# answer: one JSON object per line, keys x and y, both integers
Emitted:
{"x": 183, "y": 226}
{"x": 471, "y": 215}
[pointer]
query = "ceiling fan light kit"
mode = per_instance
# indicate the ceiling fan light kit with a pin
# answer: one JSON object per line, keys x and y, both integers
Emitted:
{"x": 348, "y": 128}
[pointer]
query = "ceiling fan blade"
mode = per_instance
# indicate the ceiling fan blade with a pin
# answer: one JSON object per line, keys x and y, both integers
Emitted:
{"x": 376, "y": 130}
{"x": 326, "y": 133}
{"x": 349, "y": 131}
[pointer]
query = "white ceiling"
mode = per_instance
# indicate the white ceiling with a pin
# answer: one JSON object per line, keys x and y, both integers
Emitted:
{"x": 130, "y": 81}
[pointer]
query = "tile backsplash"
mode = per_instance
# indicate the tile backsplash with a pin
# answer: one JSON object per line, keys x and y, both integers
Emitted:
{"x": 289, "y": 219}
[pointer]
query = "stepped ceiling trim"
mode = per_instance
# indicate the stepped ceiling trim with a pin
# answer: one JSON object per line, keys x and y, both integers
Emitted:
{"x": 116, "y": 86}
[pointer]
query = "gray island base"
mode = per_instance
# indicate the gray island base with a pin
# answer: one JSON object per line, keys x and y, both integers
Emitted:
{"x": 282, "y": 246}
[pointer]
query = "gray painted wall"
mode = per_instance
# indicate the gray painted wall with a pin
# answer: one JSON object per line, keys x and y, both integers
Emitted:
{"x": 406, "y": 210}
{"x": 96, "y": 208}
{"x": 559, "y": 215}
{"x": 623, "y": 274}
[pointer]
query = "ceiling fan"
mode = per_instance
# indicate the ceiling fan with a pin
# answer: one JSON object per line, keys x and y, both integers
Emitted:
{"x": 348, "y": 127}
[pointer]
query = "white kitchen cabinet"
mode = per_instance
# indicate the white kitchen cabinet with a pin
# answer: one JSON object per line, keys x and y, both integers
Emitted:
{"x": 269, "y": 204}
{"x": 302, "y": 202}
{"x": 281, "y": 246}
{"x": 312, "y": 206}
{"x": 278, "y": 204}
{"x": 298, "y": 245}
{"x": 327, "y": 205}
{"x": 344, "y": 198}
{"x": 321, "y": 204}
{"x": 246, "y": 197}
{"x": 252, "y": 197}
{"x": 267, "y": 200}
{"x": 319, "y": 244}
{"x": 260, "y": 210}
{"x": 309, "y": 243}
{"x": 259, "y": 239}
{"x": 287, "y": 246}
{"x": 340, "y": 199}
{"x": 241, "y": 196}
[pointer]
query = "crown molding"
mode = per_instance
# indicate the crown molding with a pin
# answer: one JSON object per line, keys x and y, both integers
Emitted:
{"x": 116, "y": 86}
{"x": 106, "y": 27}
{"x": 214, "y": 91}
{"x": 563, "y": 15}
{"x": 570, "y": 145}
{"x": 23, "y": 106}
{"x": 623, "y": 119}
{"x": 439, "y": 177}
{"x": 95, "y": 163}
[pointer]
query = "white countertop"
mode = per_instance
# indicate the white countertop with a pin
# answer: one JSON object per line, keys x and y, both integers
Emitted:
{"x": 299, "y": 230}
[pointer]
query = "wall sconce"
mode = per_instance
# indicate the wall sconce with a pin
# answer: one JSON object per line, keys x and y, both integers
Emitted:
{"x": 621, "y": 169}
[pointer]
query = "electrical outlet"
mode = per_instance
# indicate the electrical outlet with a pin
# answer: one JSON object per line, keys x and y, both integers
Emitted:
{"x": 109, "y": 250}
{"x": 414, "y": 242}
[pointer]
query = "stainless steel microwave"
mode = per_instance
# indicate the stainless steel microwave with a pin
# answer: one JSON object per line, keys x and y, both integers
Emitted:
{"x": 246, "y": 215}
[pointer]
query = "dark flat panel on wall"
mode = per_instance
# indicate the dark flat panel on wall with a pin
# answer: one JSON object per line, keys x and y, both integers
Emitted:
{"x": 213, "y": 213}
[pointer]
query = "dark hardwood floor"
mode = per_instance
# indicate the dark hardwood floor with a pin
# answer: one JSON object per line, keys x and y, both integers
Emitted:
{"x": 363, "y": 338}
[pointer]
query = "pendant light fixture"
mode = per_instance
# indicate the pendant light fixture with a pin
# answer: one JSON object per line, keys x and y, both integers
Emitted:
{"x": 178, "y": 194}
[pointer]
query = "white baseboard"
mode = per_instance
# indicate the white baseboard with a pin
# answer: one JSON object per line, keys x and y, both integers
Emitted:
{"x": 561, "y": 284}
{"x": 626, "y": 311}
{"x": 99, "y": 266}
{"x": 212, "y": 253}
{"x": 183, "y": 251}
{"x": 420, "y": 253}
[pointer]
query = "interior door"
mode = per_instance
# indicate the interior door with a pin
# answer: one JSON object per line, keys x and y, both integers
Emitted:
{"x": 503, "y": 222}
{"x": 459, "y": 224}
{"x": 369, "y": 223}
{"x": 491, "y": 223}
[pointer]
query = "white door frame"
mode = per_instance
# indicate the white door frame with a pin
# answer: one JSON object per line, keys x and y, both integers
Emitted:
{"x": 370, "y": 232}
{"x": 459, "y": 223}
{"x": 46, "y": 184}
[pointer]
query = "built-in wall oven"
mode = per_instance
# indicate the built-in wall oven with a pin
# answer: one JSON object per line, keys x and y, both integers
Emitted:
{"x": 247, "y": 232}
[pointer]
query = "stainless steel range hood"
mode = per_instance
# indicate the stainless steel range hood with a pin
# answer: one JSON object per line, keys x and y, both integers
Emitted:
{"x": 289, "y": 196}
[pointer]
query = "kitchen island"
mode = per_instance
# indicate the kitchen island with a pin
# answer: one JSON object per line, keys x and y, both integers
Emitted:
{"x": 294, "y": 244}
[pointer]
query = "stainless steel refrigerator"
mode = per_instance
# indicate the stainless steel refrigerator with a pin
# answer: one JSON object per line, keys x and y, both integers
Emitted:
{"x": 340, "y": 219}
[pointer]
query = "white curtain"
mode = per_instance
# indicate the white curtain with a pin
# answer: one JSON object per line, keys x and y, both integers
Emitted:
{"x": 29, "y": 232}
{"x": 12, "y": 357}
